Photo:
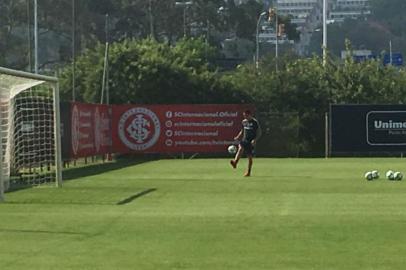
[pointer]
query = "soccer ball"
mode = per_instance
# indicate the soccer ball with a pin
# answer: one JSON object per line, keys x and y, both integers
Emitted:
{"x": 398, "y": 176}
{"x": 232, "y": 149}
{"x": 375, "y": 174}
{"x": 390, "y": 175}
{"x": 369, "y": 176}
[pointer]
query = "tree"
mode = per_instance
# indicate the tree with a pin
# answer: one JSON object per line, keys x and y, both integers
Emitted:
{"x": 13, "y": 48}
{"x": 307, "y": 87}
{"x": 150, "y": 72}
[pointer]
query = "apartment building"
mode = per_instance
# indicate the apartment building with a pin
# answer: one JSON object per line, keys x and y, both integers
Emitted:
{"x": 352, "y": 4}
{"x": 304, "y": 12}
{"x": 240, "y": 2}
{"x": 349, "y": 9}
{"x": 300, "y": 10}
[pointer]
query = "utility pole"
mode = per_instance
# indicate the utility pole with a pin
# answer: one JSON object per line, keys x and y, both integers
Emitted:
{"x": 257, "y": 39}
{"x": 390, "y": 53}
{"x": 36, "y": 36}
{"x": 73, "y": 50}
{"x": 105, "y": 87}
{"x": 324, "y": 32}
{"x": 151, "y": 19}
{"x": 185, "y": 5}
{"x": 277, "y": 40}
{"x": 29, "y": 36}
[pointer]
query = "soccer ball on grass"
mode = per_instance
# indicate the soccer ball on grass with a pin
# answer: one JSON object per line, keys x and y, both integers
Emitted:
{"x": 375, "y": 174}
{"x": 390, "y": 175}
{"x": 369, "y": 176}
{"x": 398, "y": 176}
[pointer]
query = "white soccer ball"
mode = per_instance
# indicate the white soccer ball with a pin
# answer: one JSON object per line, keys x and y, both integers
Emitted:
{"x": 232, "y": 149}
{"x": 398, "y": 176}
{"x": 369, "y": 176}
{"x": 390, "y": 175}
{"x": 375, "y": 174}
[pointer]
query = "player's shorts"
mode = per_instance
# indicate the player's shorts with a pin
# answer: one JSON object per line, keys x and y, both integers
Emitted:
{"x": 248, "y": 147}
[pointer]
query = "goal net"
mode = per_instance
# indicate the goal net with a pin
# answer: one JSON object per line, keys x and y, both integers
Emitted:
{"x": 29, "y": 124}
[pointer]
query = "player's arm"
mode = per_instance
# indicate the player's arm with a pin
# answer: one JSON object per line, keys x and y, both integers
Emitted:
{"x": 239, "y": 136}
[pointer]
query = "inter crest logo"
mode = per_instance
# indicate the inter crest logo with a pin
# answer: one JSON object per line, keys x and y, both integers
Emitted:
{"x": 139, "y": 128}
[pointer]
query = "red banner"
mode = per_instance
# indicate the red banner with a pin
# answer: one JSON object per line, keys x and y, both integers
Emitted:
{"x": 175, "y": 128}
{"x": 90, "y": 130}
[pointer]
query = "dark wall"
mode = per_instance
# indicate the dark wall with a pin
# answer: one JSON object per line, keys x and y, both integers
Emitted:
{"x": 367, "y": 128}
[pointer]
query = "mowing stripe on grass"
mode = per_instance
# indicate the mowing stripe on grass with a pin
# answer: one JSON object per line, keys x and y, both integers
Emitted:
{"x": 41, "y": 232}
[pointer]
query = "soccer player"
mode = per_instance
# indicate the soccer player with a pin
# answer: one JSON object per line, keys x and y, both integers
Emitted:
{"x": 248, "y": 136}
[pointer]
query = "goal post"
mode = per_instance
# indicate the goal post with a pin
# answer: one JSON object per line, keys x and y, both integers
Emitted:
{"x": 30, "y": 141}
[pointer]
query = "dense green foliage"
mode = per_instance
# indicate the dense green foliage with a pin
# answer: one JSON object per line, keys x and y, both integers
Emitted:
{"x": 306, "y": 214}
{"x": 138, "y": 19}
{"x": 151, "y": 62}
{"x": 151, "y": 72}
{"x": 307, "y": 87}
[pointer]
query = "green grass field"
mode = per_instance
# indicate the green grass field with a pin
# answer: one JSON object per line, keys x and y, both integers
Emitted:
{"x": 201, "y": 214}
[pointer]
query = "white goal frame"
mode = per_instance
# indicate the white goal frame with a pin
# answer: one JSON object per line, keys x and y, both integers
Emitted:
{"x": 54, "y": 84}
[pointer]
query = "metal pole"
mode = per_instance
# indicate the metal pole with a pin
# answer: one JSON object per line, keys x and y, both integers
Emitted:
{"x": 106, "y": 53}
{"x": 390, "y": 52}
{"x": 257, "y": 46}
{"x": 36, "y": 35}
{"x": 324, "y": 32}
{"x": 57, "y": 136}
{"x": 257, "y": 40}
{"x": 277, "y": 40}
{"x": 17, "y": 73}
{"x": 151, "y": 19}
{"x": 326, "y": 136}
{"x": 107, "y": 80}
{"x": 106, "y": 83}
{"x": 184, "y": 5}
{"x": 184, "y": 21}
{"x": 207, "y": 38}
{"x": 73, "y": 51}
{"x": 29, "y": 36}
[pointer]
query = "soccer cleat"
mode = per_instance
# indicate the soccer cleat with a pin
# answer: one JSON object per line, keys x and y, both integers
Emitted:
{"x": 247, "y": 174}
{"x": 233, "y": 164}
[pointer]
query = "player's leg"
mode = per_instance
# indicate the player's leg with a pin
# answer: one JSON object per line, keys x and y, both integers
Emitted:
{"x": 249, "y": 149}
{"x": 237, "y": 157}
{"x": 250, "y": 161}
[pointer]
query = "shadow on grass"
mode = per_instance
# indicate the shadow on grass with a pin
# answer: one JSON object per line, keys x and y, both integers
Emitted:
{"x": 100, "y": 168}
{"x": 136, "y": 196}
{"x": 80, "y": 171}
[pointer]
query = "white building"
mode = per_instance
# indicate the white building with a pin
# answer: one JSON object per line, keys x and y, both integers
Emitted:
{"x": 353, "y": 4}
{"x": 300, "y": 10}
{"x": 268, "y": 35}
{"x": 240, "y": 2}
{"x": 349, "y": 9}
{"x": 306, "y": 14}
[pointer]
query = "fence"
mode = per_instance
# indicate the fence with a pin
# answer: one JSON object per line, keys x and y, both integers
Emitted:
{"x": 94, "y": 130}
